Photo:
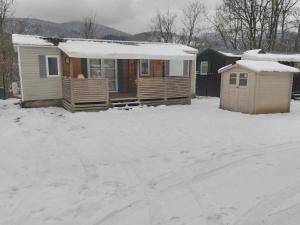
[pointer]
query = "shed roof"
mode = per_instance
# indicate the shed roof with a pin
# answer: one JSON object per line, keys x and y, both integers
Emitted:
{"x": 260, "y": 55}
{"x": 260, "y": 66}
{"x": 85, "y": 48}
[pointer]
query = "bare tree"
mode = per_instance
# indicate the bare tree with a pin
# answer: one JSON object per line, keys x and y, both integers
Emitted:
{"x": 229, "y": 27}
{"x": 163, "y": 26}
{"x": 255, "y": 23}
{"x": 5, "y": 11}
{"x": 191, "y": 21}
{"x": 296, "y": 25}
{"x": 6, "y": 50}
{"x": 89, "y": 27}
{"x": 286, "y": 21}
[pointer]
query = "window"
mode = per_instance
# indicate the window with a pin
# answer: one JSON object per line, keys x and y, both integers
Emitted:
{"x": 144, "y": 67}
{"x": 186, "y": 68}
{"x": 95, "y": 68}
{"x": 104, "y": 68}
{"x": 204, "y": 68}
{"x": 52, "y": 66}
{"x": 232, "y": 80}
{"x": 109, "y": 71}
{"x": 243, "y": 79}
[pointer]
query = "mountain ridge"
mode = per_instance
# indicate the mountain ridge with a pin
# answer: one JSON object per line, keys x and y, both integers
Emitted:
{"x": 70, "y": 29}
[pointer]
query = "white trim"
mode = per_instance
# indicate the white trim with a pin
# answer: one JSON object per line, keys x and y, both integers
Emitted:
{"x": 116, "y": 75}
{"x": 58, "y": 66}
{"x": 188, "y": 68}
{"x": 35, "y": 46}
{"x": 102, "y": 69}
{"x": 20, "y": 74}
{"x": 201, "y": 71}
{"x": 88, "y": 68}
{"x": 140, "y": 65}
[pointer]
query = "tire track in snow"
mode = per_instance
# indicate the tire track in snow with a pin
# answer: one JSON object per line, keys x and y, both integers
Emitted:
{"x": 262, "y": 214}
{"x": 197, "y": 172}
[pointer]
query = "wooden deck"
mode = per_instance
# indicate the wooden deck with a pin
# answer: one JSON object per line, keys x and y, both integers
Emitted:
{"x": 88, "y": 94}
{"x": 93, "y": 94}
{"x": 164, "y": 88}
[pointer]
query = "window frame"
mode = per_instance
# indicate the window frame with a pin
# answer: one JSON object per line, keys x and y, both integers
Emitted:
{"x": 188, "y": 68}
{"x": 201, "y": 68}
{"x": 90, "y": 76}
{"x": 244, "y": 78}
{"x": 141, "y": 70}
{"x": 58, "y": 66}
{"x": 236, "y": 79}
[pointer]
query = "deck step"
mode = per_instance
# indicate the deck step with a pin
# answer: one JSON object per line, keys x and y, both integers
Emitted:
{"x": 126, "y": 105}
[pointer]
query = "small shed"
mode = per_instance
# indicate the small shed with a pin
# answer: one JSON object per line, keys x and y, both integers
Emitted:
{"x": 256, "y": 87}
{"x": 209, "y": 62}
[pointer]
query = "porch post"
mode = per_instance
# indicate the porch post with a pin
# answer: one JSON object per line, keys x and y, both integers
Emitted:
{"x": 71, "y": 81}
{"x": 138, "y": 80}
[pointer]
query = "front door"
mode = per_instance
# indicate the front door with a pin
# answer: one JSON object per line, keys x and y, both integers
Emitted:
{"x": 132, "y": 76}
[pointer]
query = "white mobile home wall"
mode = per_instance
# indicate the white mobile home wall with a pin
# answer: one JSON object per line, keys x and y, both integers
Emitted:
{"x": 33, "y": 87}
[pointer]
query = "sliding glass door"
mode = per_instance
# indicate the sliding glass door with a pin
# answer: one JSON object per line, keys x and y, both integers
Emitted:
{"x": 104, "y": 68}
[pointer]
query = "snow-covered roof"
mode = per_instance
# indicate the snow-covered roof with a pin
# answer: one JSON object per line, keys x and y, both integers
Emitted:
{"x": 79, "y": 48}
{"x": 84, "y": 48}
{"x": 260, "y": 66}
{"x": 260, "y": 55}
{"x": 29, "y": 40}
{"x": 229, "y": 54}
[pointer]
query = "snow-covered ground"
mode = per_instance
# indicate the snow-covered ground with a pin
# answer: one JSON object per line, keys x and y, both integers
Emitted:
{"x": 177, "y": 165}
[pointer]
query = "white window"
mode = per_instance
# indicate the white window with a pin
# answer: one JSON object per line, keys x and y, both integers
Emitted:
{"x": 52, "y": 66}
{"x": 186, "y": 68}
{"x": 232, "y": 79}
{"x": 204, "y": 68}
{"x": 176, "y": 68}
{"x": 144, "y": 67}
{"x": 243, "y": 80}
{"x": 95, "y": 68}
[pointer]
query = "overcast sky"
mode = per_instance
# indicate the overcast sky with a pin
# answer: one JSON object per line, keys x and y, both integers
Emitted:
{"x": 131, "y": 16}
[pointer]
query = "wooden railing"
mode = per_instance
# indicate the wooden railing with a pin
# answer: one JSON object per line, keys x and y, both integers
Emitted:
{"x": 85, "y": 91}
{"x": 163, "y": 87}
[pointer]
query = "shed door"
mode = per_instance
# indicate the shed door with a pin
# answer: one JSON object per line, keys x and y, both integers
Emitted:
{"x": 243, "y": 93}
{"x": 238, "y": 100}
{"x": 233, "y": 92}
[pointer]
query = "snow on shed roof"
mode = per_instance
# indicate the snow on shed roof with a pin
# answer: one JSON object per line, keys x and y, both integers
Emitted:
{"x": 80, "y": 48}
{"x": 261, "y": 66}
{"x": 29, "y": 40}
{"x": 260, "y": 55}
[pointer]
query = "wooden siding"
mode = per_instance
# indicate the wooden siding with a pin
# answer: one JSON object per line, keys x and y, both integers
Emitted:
{"x": 164, "y": 87}
{"x": 34, "y": 87}
{"x": 86, "y": 91}
{"x": 157, "y": 68}
{"x": 66, "y": 68}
